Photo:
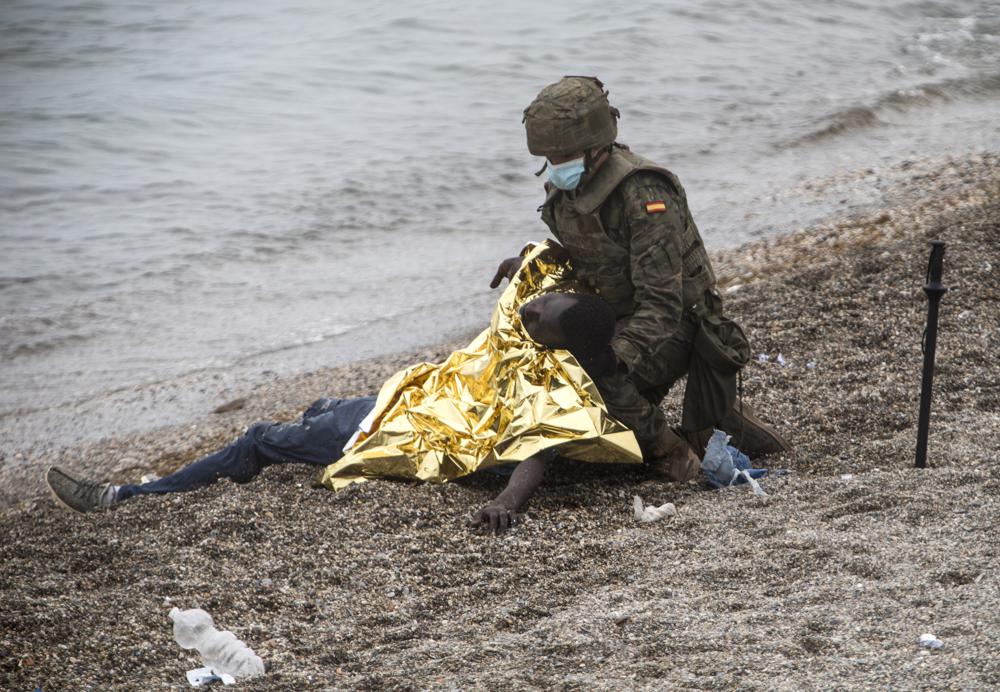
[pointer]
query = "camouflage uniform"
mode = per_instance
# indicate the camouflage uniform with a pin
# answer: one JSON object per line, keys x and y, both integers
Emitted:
{"x": 631, "y": 237}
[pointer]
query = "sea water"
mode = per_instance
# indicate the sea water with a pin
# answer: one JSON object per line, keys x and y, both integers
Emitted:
{"x": 237, "y": 187}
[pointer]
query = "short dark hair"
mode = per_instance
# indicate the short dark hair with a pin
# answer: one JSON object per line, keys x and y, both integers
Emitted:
{"x": 588, "y": 324}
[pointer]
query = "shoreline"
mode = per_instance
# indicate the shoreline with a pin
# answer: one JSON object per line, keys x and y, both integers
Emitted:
{"x": 835, "y": 575}
{"x": 132, "y": 416}
{"x": 143, "y": 416}
{"x": 164, "y": 400}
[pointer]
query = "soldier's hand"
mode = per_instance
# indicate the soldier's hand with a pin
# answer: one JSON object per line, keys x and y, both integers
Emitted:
{"x": 495, "y": 519}
{"x": 507, "y": 269}
{"x": 558, "y": 253}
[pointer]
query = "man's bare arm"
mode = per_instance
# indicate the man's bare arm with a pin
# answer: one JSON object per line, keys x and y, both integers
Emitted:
{"x": 498, "y": 516}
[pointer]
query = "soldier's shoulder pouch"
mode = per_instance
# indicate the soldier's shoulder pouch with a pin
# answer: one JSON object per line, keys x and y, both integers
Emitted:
{"x": 720, "y": 350}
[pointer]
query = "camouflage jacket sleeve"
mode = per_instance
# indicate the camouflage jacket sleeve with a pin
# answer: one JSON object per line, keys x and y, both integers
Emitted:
{"x": 655, "y": 261}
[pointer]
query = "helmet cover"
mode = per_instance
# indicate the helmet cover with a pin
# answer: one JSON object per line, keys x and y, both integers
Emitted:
{"x": 570, "y": 116}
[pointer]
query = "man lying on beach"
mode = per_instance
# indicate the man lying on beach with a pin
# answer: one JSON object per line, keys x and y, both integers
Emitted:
{"x": 580, "y": 323}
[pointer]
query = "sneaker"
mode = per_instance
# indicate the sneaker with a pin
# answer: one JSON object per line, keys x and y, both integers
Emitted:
{"x": 78, "y": 494}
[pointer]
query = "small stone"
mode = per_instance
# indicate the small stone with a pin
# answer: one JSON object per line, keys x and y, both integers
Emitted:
{"x": 234, "y": 405}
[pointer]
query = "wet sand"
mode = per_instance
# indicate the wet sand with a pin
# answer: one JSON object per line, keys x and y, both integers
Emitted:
{"x": 828, "y": 582}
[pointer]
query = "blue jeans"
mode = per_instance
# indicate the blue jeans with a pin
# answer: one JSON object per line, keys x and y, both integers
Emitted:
{"x": 317, "y": 439}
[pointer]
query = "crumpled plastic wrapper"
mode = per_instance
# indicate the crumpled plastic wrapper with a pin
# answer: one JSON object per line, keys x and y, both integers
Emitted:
{"x": 647, "y": 514}
{"x": 501, "y": 399}
{"x": 200, "y": 677}
{"x": 929, "y": 641}
{"x": 726, "y": 466}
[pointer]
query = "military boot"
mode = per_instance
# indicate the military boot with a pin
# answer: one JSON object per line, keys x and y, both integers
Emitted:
{"x": 748, "y": 433}
{"x": 698, "y": 441}
{"x": 671, "y": 456}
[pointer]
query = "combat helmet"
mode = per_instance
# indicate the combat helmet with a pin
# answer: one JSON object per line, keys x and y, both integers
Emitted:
{"x": 569, "y": 116}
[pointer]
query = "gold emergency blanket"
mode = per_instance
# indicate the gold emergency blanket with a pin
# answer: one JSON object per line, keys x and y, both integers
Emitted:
{"x": 501, "y": 399}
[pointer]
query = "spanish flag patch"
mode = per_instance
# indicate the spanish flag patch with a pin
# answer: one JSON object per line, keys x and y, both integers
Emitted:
{"x": 655, "y": 207}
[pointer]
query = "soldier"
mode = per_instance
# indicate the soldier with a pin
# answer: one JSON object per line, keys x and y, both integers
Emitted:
{"x": 625, "y": 223}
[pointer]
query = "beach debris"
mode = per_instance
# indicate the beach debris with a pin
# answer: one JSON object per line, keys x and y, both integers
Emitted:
{"x": 234, "y": 405}
{"x": 647, "y": 514}
{"x": 221, "y": 652}
{"x": 727, "y": 466}
{"x": 765, "y": 358}
{"x": 811, "y": 365}
{"x": 846, "y": 476}
{"x": 149, "y": 478}
{"x": 198, "y": 677}
{"x": 929, "y": 641}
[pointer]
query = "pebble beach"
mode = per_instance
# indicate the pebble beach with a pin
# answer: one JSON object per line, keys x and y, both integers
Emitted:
{"x": 828, "y": 582}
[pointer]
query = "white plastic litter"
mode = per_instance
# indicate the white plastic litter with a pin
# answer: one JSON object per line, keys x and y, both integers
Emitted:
{"x": 647, "y": 515}
{"x": 847, "y": 476}
{"x": 929, "y": 641}
{"x": 198, "y": 677}
{"x": 222, "y": 652}
{"x": 763, "y": 358}
{"x": 781, "y": 360}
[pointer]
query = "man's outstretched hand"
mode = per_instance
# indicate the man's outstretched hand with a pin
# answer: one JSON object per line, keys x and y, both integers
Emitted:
{"x": 498, "y": 516}
{"x": 507, "y": 269}
{"x": 493, "y": 518}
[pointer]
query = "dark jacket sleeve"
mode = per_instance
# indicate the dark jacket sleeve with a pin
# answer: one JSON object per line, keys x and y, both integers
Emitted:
{"x": 656, "y": 264}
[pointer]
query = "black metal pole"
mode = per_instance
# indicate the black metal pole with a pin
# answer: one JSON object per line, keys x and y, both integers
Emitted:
{"x": 934, "y": 291}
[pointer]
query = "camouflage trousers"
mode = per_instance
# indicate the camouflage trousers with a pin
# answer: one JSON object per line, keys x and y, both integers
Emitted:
{"x": 635, "y": 398}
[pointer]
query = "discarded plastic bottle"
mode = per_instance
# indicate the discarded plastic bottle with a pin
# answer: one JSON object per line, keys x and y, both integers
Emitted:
{"x": 221, "y": 651}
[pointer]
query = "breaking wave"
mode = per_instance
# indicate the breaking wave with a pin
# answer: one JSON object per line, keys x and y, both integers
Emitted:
{"x": 862, "y": 117}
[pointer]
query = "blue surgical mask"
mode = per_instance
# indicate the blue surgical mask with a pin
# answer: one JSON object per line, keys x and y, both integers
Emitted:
{"x": 566, "y": 176}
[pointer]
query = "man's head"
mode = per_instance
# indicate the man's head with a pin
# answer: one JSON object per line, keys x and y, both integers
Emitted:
{"x": 569, "y": 118}
{"x": 581, "y": 323}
